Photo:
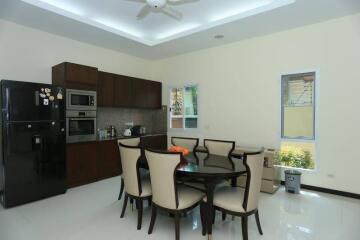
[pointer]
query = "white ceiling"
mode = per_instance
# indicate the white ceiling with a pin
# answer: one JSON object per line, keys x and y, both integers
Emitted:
{"x": 119, "y": 16}
{"x": 113, "y": 24}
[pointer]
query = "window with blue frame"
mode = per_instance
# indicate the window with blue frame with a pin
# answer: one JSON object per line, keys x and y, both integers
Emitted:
{"x": 298, "y": 117}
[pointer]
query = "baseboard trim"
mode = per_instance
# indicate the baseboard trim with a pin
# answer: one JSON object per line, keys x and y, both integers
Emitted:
{"x": 327, "y": 190}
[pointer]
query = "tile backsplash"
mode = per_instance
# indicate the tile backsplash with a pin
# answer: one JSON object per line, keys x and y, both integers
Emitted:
{"x": 155, "y": 120}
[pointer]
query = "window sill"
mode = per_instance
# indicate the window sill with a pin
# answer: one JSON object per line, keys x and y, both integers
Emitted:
{"x": 183, "y": 129}
{"x": 295, "y": 168}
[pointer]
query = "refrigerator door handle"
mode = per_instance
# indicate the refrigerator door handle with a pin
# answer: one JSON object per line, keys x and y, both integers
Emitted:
{"x": 7, "y": 104}
{"x": 37, "y": 94}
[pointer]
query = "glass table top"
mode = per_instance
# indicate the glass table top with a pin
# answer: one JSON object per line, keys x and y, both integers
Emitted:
{"x": 209, "y": 164}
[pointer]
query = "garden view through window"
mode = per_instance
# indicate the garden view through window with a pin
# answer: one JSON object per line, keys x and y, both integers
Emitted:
{"x": 298, "y": 121}
{"x": 184, "y": 107}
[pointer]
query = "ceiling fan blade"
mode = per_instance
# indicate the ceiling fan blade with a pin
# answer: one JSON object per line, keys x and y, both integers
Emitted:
{"x": 143, "y": 12}
{"x": 171, "y": 12}
{"x": 179, "y": 2}
{"x": 139, "y": 1}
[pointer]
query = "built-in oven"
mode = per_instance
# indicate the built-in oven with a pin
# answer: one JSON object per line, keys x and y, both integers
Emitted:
{"x": 80, "y": 126}
{"x": 80, "y": 100}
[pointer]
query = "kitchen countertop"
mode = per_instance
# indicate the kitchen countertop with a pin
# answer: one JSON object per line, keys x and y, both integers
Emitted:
{"x": 118, "y": 137}
{"x": 123, "y": 137}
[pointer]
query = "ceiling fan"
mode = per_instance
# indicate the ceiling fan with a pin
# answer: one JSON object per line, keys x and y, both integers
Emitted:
{"x": 163, "y": 6}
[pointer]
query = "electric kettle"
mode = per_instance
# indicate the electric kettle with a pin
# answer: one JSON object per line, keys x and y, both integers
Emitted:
{"x": 127, "y": 132}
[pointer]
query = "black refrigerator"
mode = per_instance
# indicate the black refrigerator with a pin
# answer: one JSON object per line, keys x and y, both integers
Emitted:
{"x": 33, "y": 148}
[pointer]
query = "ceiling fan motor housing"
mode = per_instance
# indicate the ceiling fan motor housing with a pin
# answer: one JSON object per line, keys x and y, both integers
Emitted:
{"x": 156, "y": 3}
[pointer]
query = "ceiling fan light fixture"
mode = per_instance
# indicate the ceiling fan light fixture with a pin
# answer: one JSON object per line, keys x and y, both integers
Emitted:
{"x": 156, "y": 3}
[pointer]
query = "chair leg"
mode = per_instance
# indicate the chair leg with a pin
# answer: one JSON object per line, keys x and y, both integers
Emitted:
{"x": 177, "y": 226}
{"x": 202, "y": 216}
{"x": 139, "y": 204}
{"x": 258, "y": 222}
{"x": 223, "y": 216}
{"x": 124, "y": 206}
{"x": 244, "y": 225}
{"x": 121, "y": 189}
{"x": 153, "y": 218}
{"x": 214, "y": 214}
{"x": 233, "y": 181}
{"x": 132, "y": 204}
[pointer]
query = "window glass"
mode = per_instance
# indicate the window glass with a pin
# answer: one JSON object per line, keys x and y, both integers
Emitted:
{"x": 177, "y": 106}
{"x": 297, "y": 154}
{"x": 190, "y": 105}
{"x": 184, "y": 107}
{"x": 298, "y": 110}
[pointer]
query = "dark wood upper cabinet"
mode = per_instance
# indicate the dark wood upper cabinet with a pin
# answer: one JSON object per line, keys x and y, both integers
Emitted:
{"x": 139, "y": 93}
{"x": 106, "y": 89}
{"x": 71, "y": 75}
{"x": 123, "y": 91}
{"x": 146, "y": 94}
{"x": 113, "y": 90}
{"x": 154, "y": 95}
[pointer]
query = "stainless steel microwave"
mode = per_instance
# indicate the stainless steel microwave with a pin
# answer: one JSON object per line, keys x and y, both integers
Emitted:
{"x": 81, "y": 100}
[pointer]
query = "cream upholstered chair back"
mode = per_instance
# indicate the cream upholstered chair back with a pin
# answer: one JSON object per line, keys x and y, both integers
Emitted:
{"x": 134, "y": 142}
{"x": 162, "y": 175}
{"x": 219, "y": 147}
{"x": 189, "y": 143}
{"x": 129, "y": 161}
{"x": 254, "y": 164}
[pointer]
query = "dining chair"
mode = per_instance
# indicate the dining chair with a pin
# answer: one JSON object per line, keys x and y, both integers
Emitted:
{"x": 136, "y": 188}
{"x": 240, "y": 202}
{"x": 219, "y": 147}
{"x": 167, "y": 195}
{"x": 128, "y": 142}
{"x": 190, "y": 143}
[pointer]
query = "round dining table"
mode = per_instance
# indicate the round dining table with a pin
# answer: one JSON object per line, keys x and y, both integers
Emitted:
{"x": 211, "y": 170}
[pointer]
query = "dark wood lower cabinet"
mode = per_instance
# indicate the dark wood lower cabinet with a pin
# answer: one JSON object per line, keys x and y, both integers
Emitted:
{"x": 108, "y": 159}
{"x": 92, "y": 161}
{"x": 81, "y": 163}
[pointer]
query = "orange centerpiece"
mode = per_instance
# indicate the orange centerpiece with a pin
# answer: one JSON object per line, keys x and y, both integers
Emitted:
{"x": 179, "y": 149}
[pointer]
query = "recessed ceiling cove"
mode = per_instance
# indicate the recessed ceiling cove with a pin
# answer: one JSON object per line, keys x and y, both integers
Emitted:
{"x": 152, "y": 22}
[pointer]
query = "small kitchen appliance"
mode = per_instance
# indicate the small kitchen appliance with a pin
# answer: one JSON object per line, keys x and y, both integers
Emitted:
{"x": 138, "y": 130}
{"x": 127, "y": 132}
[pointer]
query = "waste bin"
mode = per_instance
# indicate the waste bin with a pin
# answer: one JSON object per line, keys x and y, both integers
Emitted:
{"x": 292, "y": 181}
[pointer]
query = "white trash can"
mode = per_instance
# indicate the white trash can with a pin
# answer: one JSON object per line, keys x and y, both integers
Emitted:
{"x": 292, "y": 181}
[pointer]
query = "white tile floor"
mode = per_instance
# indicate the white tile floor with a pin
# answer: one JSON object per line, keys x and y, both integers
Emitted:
{"x": 92, "y": 212}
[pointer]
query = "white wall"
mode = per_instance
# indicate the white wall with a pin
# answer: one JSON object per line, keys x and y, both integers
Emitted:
{"x": 28, "y": 54}
{"x": 240, "y": 92}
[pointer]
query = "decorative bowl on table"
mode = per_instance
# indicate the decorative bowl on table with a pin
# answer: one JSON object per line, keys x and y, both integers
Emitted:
{"x": 179, "y": 149}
